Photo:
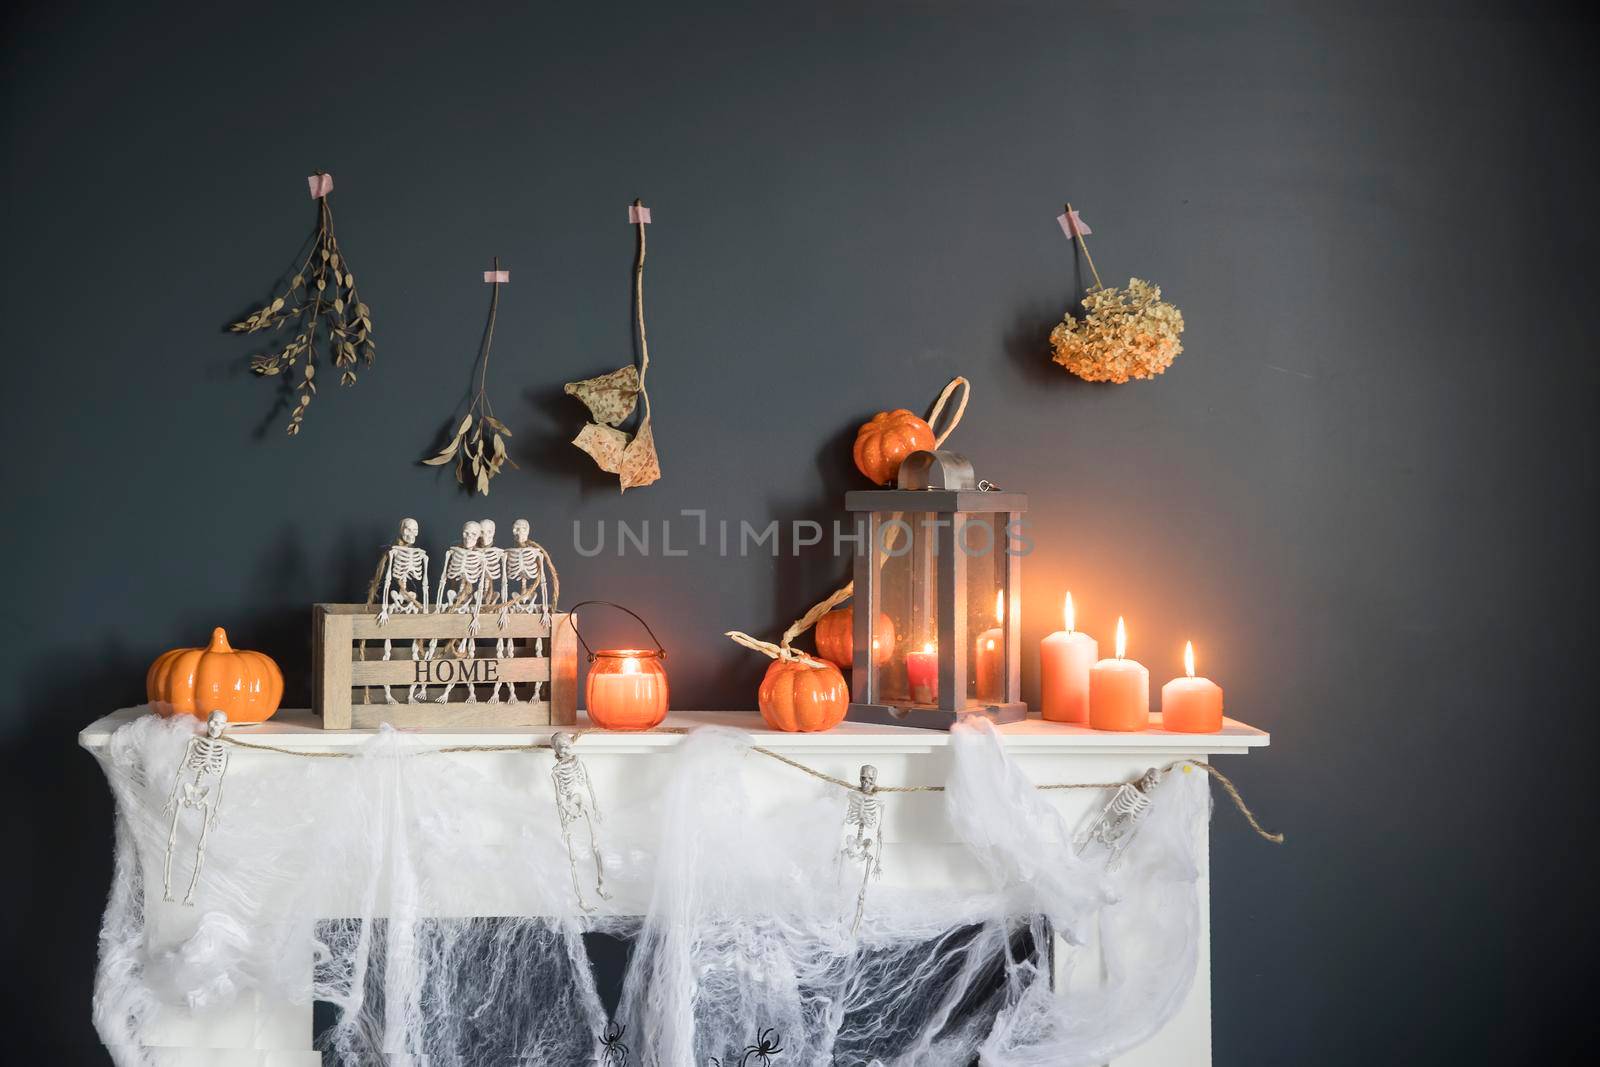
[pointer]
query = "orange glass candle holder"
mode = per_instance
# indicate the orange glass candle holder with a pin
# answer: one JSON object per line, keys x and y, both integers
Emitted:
{"x": 627, "y": 687}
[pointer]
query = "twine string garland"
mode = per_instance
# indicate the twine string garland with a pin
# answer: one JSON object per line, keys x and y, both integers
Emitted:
{"x": 533, "y": 746}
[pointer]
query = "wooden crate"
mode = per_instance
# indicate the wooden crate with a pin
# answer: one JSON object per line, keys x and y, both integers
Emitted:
{"x": 348, "y": 671}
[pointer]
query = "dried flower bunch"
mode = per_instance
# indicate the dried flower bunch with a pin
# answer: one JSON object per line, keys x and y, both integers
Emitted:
{"x": 1124, "y": 333}
{"x": 322, "y": 294}
{"x": 611, "y": 398}
{"x": 479, "y": 442}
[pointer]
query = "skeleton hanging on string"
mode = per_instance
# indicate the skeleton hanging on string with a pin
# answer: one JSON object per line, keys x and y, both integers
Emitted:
{"x": 1115, "y": 827}
{"x": 403, "y": 563}
{"x": 523, "y": 566}
{"x": 575, "y": 800}
{"x": 197, "y": 785}
{"x": 461, "y": 588}
{"x": 863, "y": 835}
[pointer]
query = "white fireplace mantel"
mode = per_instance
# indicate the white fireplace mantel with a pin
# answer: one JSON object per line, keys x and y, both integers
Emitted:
{"x": 920, "y": 847}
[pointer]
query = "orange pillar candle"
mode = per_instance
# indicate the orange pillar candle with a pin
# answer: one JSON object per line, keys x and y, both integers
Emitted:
{"x": 1065, "y": 659}
{"x": 922, "y": 674}
{"x": 1119, "y": 690}
{"x": 991, "y": 655}
{"x": 1191, "y": 705}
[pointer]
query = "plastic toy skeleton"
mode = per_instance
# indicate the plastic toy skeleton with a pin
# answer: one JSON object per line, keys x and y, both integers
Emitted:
{"x": 863, "y": 835}
{"x": 1118, "y": 822}
{"x": 403, "y": 563}
{"x": 465, "y": 575}
{"x": 523, "y": 564}
{"x": 575, "y": 800}
{"x": 198, "y": 785}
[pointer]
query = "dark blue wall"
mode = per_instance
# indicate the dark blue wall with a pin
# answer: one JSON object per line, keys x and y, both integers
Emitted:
{"x": 1366, "y": 490}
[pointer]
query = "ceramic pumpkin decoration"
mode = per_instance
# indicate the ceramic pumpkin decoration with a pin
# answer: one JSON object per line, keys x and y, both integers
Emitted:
{"x": 802, "y": 697}
{"x": 246, "y": 686}
{"x": 887, "y": 439}
{"x": 836, "y": 638}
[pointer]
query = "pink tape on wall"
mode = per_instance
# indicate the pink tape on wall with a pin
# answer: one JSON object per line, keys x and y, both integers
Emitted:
{"x": 320, "y": 184}
{"x": 1072, "y": 225}
{"x": 496, "y": 276}
{"x": 637, "y": 214}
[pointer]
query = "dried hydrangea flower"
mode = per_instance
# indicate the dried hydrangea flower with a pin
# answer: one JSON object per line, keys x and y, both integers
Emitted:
{"x": 1124, "y": 333}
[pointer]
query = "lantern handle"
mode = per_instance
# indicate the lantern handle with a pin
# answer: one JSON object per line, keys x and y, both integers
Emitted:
{"x": 572, "y": 617}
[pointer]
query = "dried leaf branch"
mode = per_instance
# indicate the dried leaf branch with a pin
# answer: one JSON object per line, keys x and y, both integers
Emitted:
{"x": 1124, "y": 333}
{"x": 321, "y": 295}
{"x": 612, "y": 398}
{"x": 479, "y": 443}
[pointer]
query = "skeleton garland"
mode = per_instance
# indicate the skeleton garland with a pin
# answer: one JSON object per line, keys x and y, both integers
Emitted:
{"x": 575, "y": 800}
{"x": 863, "y": 835}
{"x": 197, "y": 786}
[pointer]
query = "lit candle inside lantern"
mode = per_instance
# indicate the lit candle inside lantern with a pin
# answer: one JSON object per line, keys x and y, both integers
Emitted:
{"x": 1065, "y": 659}
{"x": 1119, "y": 690}
{"x": 922, "y": 674}
{"x": 991, "y": 656}
{"x": 1191, "y": 705}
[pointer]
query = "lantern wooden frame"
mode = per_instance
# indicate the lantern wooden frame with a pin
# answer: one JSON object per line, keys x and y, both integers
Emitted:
{"x": 873, "y": 509}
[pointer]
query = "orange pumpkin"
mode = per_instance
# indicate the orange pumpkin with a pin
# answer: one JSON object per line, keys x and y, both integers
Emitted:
{"x": 246, "y": 686}
{"x": 802, "y": 697}
{"x": 836, "y": 638}
{"x": 886, "y": 440}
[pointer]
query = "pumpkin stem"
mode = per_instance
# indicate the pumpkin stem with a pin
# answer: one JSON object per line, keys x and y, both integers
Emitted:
{"x": 219, "y": 641}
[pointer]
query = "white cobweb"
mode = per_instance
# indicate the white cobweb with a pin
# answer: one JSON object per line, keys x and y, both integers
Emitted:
{"x": 325, "y": 880}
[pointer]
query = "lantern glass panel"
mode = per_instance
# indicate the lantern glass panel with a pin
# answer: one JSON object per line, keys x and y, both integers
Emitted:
{"x": 982, "y": 542}
{"x": 906, "y": 589}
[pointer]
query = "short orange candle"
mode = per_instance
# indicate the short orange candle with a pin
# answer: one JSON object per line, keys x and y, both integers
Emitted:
{"x": 991, "y": 655}
{"x": 627, "y": 689}
{"x": 1065, "y": 659}
{"x": 1191, "y": 705}
{"x": 1119, "y": 690}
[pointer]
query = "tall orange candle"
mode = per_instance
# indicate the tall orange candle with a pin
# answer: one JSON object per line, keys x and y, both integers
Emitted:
{"x": 1065, "y": 659}
{"x": 1119, "y": 690}
{"x": 991, "y": 655}
{"x": 1191, "y": 705}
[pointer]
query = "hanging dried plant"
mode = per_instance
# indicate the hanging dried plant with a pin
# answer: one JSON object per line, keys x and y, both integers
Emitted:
{"x": 321, "y": 295}
{"x": 479, "y": 443}
{"x": 611, "y": 398}
{"x": 1124, "y": 333}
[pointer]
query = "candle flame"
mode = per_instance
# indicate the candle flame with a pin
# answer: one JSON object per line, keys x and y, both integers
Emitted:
{"x": 928, "y": 647}
{"x": 999, "y": 606}
{"x": 1188, "y": 658}
{"x": 630, "y": 665}
{"x": 990, "y": 644}
{"x": 1122, "y": 639}
{"x": 1069, "y": 617}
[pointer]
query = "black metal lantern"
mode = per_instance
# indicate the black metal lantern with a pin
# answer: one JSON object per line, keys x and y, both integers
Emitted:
{"x": 938, "y": 567}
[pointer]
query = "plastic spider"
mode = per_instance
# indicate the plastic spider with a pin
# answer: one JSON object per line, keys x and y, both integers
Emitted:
{"x": 613, "y": 1052}
{"x": 763, "y": 1050}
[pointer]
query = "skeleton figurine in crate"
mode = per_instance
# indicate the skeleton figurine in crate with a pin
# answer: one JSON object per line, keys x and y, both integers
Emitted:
{"x": 403, "y": 563}
{"x": 1115, "y": 827}
{"x": 197, "y": 785}
{"x": 863, "y": 835}
{"x": 525, "y": 592}
{"x": 461, "y": 590}
{"x": 575, "y": 800}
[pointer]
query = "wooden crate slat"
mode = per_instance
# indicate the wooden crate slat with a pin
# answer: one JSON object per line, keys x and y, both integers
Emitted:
{"x": 456, "y": 713}
{"x": 407, "y": 627}
{"x": 442, "y": 669}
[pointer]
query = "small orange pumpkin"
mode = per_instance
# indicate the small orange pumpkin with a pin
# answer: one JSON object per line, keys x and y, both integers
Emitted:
{"x": 802, "y": 697}
{"x": 836, "y": 638}
{"x": 246, "y": 686}
{"x": 886, "y": 440}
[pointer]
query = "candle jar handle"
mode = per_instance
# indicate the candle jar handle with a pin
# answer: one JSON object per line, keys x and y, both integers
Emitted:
{"x": 572, "y": 617}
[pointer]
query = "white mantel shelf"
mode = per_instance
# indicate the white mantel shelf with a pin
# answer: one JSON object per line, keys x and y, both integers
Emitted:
{"x": 299, "y": 728}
